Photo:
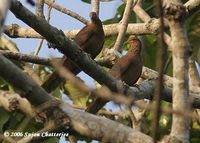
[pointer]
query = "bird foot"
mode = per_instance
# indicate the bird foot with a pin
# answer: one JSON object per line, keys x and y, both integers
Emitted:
{"x": 137, "y": 86}
{"x": 51, "y": 45}
{"x": 90, "y": 55}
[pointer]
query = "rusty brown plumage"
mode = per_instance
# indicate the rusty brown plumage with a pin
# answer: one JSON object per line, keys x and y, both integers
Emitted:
{"x": 128, "y": 69}
{"x": 90, "y": 39}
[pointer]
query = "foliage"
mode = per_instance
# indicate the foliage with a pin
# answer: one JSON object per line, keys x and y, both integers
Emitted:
{"x": 193, "y": 31}
{"x": 76, "y": 95}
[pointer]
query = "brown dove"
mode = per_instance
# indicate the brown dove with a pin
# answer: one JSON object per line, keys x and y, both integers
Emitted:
{"x": 90, "y": 39}
{"x": 128, "y": 69}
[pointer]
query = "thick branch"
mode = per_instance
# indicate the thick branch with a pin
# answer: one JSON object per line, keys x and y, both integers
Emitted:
{"x": 180, "y": 125}
{"x": 23, "y": 82}
{"x": 12, "y": 101}
{"x": 97, "y": 127}
{"x": 149, "y": 27}
{"x": 192, "y": 6}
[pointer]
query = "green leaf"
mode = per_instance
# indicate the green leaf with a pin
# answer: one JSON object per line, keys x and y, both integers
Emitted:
{"x": 15, "y": 119}
{"x": 51, "y": 140}
{"x": 117, "y": 17}
{"x": 57, "y": 93}
{"x": 76, "y": 95}
{"x": 192, "y": 25}
{"x": 150, "y": 48}
{"x": 5, "y": 115}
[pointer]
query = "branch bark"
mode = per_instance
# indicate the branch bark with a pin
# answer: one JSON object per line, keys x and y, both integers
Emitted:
{"x": 25, "y": 57}
{"x": 123, "y": 25}
{"x": 12, "y": 102}
{"x": 95, "y": 6}
{"x": 97, "y": 127}
{"x": 180, "y": 125}
{"x": 40, "y": 8}
{"x": 4, "y": 6}
{"x": 192, "y": 6}
{"x": 66, "y": 11}
{"x": 149, "y": 27}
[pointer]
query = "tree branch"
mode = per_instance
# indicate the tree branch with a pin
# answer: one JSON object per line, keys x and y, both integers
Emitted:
{"x": 25, "y": 57}
{"x": 40, "y": 8}
{"x": 193, "y": 74}
{"x": 12, "y": 47}
{"x": 150, "y": 27}
{"x": 4, "y": 6}
{"x": 192, "y": 6}
{"x": 66, "y": 11}
{"x": 160, "y": 60}
{"x": 12, "y": 102}
{"x": 123, "y": 25}
{"x": 174, "y": 11}
{"x": 95, "y": 6}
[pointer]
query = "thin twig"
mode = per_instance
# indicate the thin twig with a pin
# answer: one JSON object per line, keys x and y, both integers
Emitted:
{"x": 25, "y": 57}
{"x": 42, "y": 40}
{"x": 193, "y": 74}
{"x": 40, "y": 8}
{"x": 169, "y": 60}
{"x": 95, "y": 6}
{"x": 38, "y": 48}
{"x": 10, "y": 45}
{"x": 194, "y": 78}
{"x": 66, "y": 11}
{"x": 160, "y": 68}
{"x": 123, "y": 25}
{"x": 133, "y": 118}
